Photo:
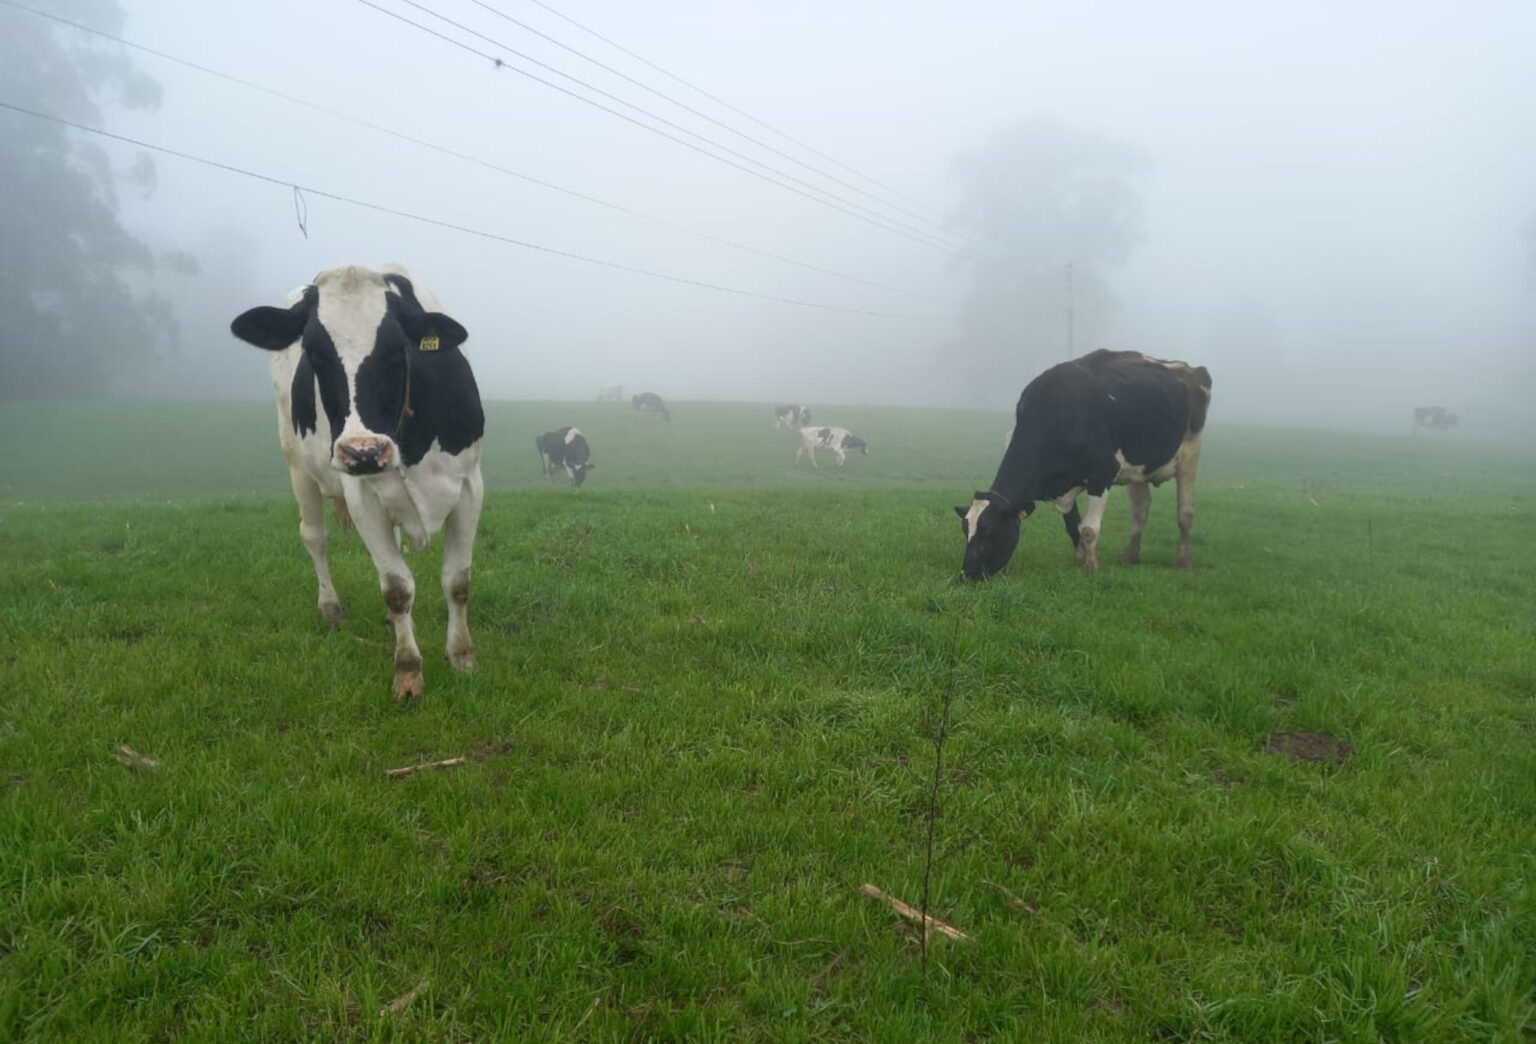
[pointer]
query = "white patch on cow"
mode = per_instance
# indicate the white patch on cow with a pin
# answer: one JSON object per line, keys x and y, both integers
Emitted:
{"x": 1130, "y": 473}
{"x": 572, "y": 436}
{"x": 973, "y": 518}
{"x": 351, "y": 308}
{"x": 1068, "y": 500}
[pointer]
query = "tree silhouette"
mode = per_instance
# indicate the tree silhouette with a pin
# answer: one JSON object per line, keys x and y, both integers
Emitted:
{"x": 70, "y": 319}
{"x": 1037, "y": 197}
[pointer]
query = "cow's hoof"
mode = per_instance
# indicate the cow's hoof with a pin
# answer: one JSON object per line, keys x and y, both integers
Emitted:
{"x": 1130, "y": 557}
{"x": 334, "y": 614}
{"x": 1091, "y": 566}
{"x": 463, "y": 660}
{"x": 1183, "y": 563}
{"x": 408, "y": 686}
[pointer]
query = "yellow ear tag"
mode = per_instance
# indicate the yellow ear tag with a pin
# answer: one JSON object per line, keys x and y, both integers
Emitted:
{"x": 1024, "y": 512}
{"x": 429, "y": 344}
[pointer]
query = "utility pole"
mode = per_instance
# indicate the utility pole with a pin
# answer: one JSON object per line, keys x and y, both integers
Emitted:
{"x": 1071, "y": 317}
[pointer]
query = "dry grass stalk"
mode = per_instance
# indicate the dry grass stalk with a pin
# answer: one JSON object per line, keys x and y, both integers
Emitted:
{"x": 399, "y": 1004}
{"x": 583, "y": 1020}
{"x": 133, "y": 759}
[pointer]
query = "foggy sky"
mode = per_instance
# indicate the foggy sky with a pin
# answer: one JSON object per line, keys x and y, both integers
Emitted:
{"x": 1334, "y": 206}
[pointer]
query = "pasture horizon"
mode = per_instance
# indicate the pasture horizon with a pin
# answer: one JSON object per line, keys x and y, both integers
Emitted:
{"x": 109, "y": 450}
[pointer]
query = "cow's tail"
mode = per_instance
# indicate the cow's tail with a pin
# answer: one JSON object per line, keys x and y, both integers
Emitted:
{"x": 343, "y": 516}
{"x": 1199, "y": 399}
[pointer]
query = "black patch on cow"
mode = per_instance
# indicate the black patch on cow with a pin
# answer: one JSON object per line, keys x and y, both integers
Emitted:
{"x": 302, "y": 397}
{"x": 324, "y": 362}
{"x": 1073, "y": 520}
{"x": 853, "y": 442}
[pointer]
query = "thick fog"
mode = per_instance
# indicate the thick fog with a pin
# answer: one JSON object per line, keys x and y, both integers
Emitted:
{"x": 1330, "y": 206}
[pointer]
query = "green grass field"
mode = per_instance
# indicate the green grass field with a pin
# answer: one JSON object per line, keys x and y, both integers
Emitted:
{"x": 702, "y": 719}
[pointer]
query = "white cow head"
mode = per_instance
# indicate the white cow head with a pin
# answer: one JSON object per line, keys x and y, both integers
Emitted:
{"x": 360, "y": 331}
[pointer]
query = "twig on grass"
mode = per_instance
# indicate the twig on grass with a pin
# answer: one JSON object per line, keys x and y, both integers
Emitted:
{"x": 933, "y": 924}
{"x": 411, "y": 770}
{"x": 399, "y": 1004}
{"x": 126, "y": 755}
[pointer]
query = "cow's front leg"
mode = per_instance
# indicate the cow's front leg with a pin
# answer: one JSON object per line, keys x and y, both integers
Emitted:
{"x": 312, "y": 533}
{"x": 1067, "y": 505}
{"x": 1141, "y": 505}
{"x": 399, "y": 589}
{"x": 458, "y": 551}
{"x": 1088, "y": 532}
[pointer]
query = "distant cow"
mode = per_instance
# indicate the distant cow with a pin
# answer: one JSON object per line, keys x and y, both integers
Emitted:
{"x": 565, "y": 448}
{"x": 650, "y": 404}
{"x": 839, "y": 440}
{"x": 1434, "y": 418}
{"x": 611, "y": 393}
{"x": 791, "y": 417}
{"x": 1109, "y": 418}
{"x": 378, "y": 411}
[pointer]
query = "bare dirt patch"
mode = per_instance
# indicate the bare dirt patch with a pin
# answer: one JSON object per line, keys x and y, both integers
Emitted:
{"x": 1317, "y": 747}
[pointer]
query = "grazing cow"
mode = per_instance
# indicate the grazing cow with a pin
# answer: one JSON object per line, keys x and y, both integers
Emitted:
{"x": 791, "y": 417}
{"x": 378, "y": 412}
{"x": 649, "y": 404}
{"x": 611, "y": 393}
{"x": 565, "y": 448}
{"x": 1107, "y": 419}
{"x": 838, "y": 440}
{"x": 1434, "y": 418}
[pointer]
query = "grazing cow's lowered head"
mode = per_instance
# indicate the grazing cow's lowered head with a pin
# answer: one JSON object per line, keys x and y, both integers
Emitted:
{"x": 991, "y": 525}
{"x": 362, "y": 332}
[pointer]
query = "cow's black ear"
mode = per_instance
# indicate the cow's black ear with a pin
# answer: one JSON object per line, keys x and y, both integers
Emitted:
{"x": 982, "y": 496}
{"x": 423, "y": 326}
{"x": 962, "y": 512}
{"x": 272, "y": 328}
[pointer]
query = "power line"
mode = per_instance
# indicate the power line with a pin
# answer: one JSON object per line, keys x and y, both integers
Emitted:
{"x": 841, "y": 204}
{"x": 451, "y": 226}
{"x": 444, "y": 150}
{"x": 727, "y": 105}
{"x": 708, "y": 118}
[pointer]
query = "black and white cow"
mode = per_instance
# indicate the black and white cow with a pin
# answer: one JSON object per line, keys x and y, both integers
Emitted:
{"x": 1434, "y": 418}
{"x": 791, "y": 417}
{"x": 838, "y": 440}
{"x": 565, "y": 448}
{"x": 649, "y": 404}
{"x": 378, "y": 412}
{"x": 1107, "y": 419}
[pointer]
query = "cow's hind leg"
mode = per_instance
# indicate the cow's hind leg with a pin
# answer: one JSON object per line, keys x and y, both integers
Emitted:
{"x": 399, "y": 589}
{"x": 1141, "y": 507}
{"x": 1189, "y": 464}
{"x": 312, "y": 533}
{"x": 458, "y": 551}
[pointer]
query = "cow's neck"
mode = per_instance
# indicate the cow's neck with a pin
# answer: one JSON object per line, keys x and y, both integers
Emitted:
{"x": 1017, "y": 476}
